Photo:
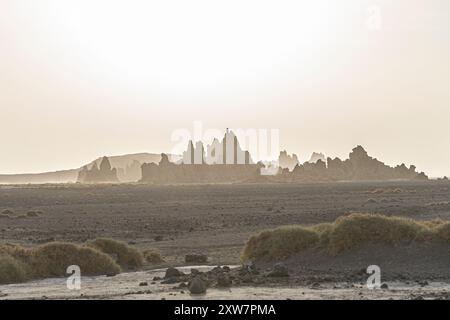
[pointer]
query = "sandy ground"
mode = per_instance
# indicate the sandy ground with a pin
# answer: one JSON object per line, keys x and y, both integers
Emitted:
{"x": 127, "y": 286}
{"x": 212, "y": 219}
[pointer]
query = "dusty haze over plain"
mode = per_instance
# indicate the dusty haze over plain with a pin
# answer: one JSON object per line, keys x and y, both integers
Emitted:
{"x": 81, "y": 79}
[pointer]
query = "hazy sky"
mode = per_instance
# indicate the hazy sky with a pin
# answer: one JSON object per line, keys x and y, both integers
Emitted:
{"x": 81, "y": 79}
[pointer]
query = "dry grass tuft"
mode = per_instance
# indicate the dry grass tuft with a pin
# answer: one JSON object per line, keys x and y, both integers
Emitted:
{"x": 280, "y": 243}
{"x": 11, "y": 270}
{"x": 346, "y": 233}
{"x": 52, "y": 260}
{"x": 126, "y": 256}
{"x": 96, "y": 257}
{"x": 153, "y": 256}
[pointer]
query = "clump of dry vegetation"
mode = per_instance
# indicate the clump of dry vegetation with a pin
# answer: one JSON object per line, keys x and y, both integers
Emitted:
{"x": 126, "y": 256}
{"x": 346, "y": 233}
{"x": 95, "y": 257}
{"x": 11, "y": 270}
{"x": 52, "y": 259}
{"x": 18, "y": 264}
{"x": 153, "y": 256}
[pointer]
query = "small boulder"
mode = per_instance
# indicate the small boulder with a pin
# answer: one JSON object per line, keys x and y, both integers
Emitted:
{"x": 172, "y": 272}
{"x": 423, "y": 283}
{"x": 197, "y": 286}
{"x": 384, "y": 286}
{"x": 195, "y": 272}
{"x": 223, "y": 281}
{"x": 226, "y": 268}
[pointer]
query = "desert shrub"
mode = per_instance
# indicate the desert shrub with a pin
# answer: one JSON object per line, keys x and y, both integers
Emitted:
{"x": 280, "y": 243}
{"x": 21, "y": 254}
{"x": 126, "y": 256}
{"x": 52, "y": 260}
{"x": 324, "y": 231}
{"x": 153, "y": 256}
{"x": 346, "y": 233}
{"x": 443, "y": 231}
{"x": 11, "y": 270}
{"x": 356, "y": 229}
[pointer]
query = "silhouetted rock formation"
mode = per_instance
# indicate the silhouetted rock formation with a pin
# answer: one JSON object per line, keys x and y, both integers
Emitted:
{"x": 360, "y": 167}
{"x": 131, "y": 173}
{"x": 224, "y": 162}
{"x": 316, "y": 157}
{"x": 285, "y": 161}
{"x": 168, "y": 172}
{"x": 98, "y": 175}
{"x": 227, "y": 151}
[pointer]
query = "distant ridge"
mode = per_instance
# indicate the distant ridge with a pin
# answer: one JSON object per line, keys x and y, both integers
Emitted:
{"x": 70, "y": 175}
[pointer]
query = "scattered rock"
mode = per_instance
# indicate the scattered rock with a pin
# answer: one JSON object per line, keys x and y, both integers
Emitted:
{"x": 195, "y": 272}
{"x": 197, "y": 286}
{"x": 223, "y": 280}
{"x": 172, "y": 272}
{"x": 143, "y": 284}
{"x": 384, "y": 286}
{"x": 423, "y": 283}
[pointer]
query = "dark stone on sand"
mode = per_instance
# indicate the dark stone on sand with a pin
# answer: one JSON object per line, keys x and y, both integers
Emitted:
{"x": 172, "y": 272}
{"x": 143, "y": 284}
{"x": 197, "y": 286}
{"x": 223, "y": 281}
{"x": 195, "y": 272}
{"x": 423, "y": 283}
{"x": 384, "y": 286}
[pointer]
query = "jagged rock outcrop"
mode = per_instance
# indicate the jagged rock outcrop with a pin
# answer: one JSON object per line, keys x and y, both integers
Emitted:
{"x": 286, "y": 161}
{"x": 98, "y": 175}
{"x": 224, "y": 162}
{"x": 316, "y": 156}
{"x": 170, "y": 173}
{"x": 131, "y": 173}
{"x": 358, "y": 167}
